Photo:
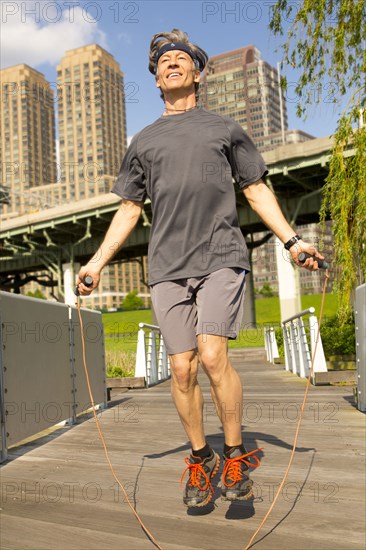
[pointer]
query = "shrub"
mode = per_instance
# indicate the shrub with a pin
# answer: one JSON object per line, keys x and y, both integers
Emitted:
{"x": 338, "y": 339}
{"x": 279, "y": 340}
{"x": 132, "y": 301}
{"x": 120, "y": 364}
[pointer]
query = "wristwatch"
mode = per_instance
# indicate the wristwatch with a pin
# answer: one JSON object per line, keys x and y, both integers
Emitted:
{"x": 292, "y": 241}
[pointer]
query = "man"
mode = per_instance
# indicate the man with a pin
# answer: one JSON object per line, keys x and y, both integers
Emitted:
{"x": 184, "y": 162}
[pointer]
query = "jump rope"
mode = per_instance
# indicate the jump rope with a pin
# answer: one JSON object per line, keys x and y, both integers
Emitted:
{"x": 88, "y": 281}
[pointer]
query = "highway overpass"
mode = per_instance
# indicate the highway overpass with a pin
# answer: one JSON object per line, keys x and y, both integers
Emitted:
{"x": 71, "y": 232}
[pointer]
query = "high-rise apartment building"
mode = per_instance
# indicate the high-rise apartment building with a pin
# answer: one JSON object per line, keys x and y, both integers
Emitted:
{"x": 27, "y": 137}
{"x": 91, "y": 120}
{"x": 240, "y": 85}
{"x": 93, "y": 140}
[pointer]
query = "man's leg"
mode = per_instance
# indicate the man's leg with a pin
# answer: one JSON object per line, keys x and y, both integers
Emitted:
{"x": 187, "y": 395}
{"x": 226, "y": 387}
{"x": 203, "y": 463}
{"x": 227, "y": 393}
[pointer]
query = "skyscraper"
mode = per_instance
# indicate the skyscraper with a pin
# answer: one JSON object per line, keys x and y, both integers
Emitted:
{"x": 27, "y": 134}
{"x": 240, "y": 85}
{"x": 91, "y": 120}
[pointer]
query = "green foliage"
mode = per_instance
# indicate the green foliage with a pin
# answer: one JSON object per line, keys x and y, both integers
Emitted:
{"x": 338, "y": 338}
{"x": 279, "y": 340}
{"x": 345, "y": 202}
{"x": 120, "y": 364}
{"x": 37, "y": 294}
{"x": 267, "y": 291}
{"x": 327, "y": 43}
{"x": 132, "y": 301}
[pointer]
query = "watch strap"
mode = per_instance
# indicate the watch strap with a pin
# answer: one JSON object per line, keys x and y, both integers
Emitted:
{"x": 292, "y": 241}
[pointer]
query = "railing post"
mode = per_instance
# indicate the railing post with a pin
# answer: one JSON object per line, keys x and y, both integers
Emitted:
{"x": 270, "y": 344}
{"x": 140, "y": 368}
{"x": 320, "y": 364}
{"x": 273, "y": 343}
{"x": 266, "y": 344}
{"x": 163, "y": 361}
{"x": 287, "y": 348}
{"x": 152, "y": 364}
{"x": 297, "y": 353}
{"x": 304, "y": 355}
{"x": 294, "y": 347}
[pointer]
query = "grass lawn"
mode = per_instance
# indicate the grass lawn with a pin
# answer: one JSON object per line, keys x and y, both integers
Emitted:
{"x": 121, "y": 327}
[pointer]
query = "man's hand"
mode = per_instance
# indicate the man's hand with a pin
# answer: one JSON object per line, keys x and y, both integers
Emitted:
{"x": 302, "y": 246}
{"x": 87, "y": 270}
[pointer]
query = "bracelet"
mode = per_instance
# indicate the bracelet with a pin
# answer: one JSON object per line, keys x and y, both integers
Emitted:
{"x": 292, "y": 241}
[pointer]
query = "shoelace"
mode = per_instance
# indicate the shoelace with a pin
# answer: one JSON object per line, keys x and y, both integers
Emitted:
{"x": 195, "y": 472}
{"x": 233, "y": 467}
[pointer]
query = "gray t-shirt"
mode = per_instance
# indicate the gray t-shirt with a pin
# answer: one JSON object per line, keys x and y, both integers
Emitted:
{"x": 185, "y": 164}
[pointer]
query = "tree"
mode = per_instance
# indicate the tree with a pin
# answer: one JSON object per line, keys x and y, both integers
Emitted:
{"x": 267, "y": 291}
{"x": 37, "y": 294}
{"x": 327, "y": 43}
{"x": 132, "y": 301}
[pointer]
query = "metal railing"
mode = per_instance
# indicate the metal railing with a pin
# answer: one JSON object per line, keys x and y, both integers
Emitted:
{"x": 298, "y": 355}
{"x": 270, "y": 344}
{"x": 152, "y": 361}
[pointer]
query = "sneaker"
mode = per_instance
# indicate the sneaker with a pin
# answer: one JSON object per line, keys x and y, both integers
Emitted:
{"x": 235, "y": 482}
{"x": 199, "y": 491}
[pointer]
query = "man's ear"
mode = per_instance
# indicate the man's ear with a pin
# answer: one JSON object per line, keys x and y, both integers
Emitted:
{"x": 197, "y": 76}
{"x": 157, "y": 81}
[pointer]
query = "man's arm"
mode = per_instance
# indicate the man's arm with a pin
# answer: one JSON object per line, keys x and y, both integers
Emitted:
{"x": 122, "y": 225}
{"x": 264, "y": 203}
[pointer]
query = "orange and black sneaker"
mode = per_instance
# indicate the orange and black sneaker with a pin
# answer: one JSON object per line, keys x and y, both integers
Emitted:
{"x": 199, "y": 490}
{"x": 235, "y": 481}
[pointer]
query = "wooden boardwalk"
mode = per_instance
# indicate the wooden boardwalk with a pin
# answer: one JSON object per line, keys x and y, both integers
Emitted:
{"x": 58, "y": 493}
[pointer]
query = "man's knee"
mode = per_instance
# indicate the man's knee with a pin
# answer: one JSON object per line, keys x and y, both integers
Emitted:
{"x": 215, "y": 363}
{"x": 184, "y": 371}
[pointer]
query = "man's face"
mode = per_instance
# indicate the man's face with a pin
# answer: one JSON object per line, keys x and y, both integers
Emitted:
{"x": 176, "y": 71}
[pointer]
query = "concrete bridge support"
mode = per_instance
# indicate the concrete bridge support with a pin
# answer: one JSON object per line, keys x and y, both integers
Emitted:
{"x": 69, "y": 275}
{"x": 288, "y": 283}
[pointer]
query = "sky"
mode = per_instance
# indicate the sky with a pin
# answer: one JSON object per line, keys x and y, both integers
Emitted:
{"x": 39, "y": 32}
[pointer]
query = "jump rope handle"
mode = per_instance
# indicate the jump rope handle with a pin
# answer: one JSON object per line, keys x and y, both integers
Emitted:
{"x": 322, "y": 264}
{"x": 88, "y": 281}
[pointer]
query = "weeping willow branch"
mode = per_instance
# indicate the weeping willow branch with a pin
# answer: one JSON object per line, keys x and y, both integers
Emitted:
{"x": 326, "y": 41}
{"x": 344, "y": 200}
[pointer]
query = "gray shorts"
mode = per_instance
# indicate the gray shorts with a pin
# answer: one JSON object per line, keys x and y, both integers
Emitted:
{"x": 212, "y": 304}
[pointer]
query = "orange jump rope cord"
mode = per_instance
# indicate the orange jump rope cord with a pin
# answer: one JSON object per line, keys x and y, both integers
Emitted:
{"x": 300, "y": 418}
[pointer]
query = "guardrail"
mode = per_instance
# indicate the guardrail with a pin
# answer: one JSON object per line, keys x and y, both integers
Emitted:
{"x": 152, "y": 361}
{"x": 298, "y": 355}
{"x": 42, "y": 379}
{"x": 270, "y": 344}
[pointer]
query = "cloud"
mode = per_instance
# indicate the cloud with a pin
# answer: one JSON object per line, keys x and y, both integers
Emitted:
{"x": 125, "y": 37}
{"x": 40, "y": 32}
